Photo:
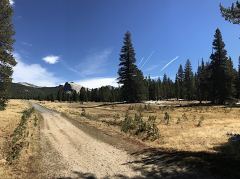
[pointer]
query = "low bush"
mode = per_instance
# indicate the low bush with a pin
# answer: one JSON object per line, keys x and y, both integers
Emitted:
{"x": 184, "y": 117}
{"x": 147, "y": 107}
{"x": 166, "y": 118}
{"x": 137, "y": 126}
{"x": 17, "y": 141}
{"x": 178, "y": 120}
{"x": 140, "y": 108}
{"x": 200, "y": 121}
{"x": 131, "y": 107}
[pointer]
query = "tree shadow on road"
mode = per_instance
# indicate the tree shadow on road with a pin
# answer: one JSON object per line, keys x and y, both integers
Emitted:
{"x": 158, "y": 163}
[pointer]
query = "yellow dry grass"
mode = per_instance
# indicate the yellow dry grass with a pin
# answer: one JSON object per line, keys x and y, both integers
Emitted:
{"x": 180, "y": 134}
{"x": 9, "y": 119}
{"x": 26, "y": 165}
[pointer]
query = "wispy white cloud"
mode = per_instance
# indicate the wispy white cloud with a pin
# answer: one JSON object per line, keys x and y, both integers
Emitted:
{"x": 33, "y": 73}
{"x": 11, "y": 2}
{"x": 149, "y": 57}
{"x": 27, "y": 44}
{"x": 92, "y": 64}
{"x": 98, "y": 82}
{"x": 169, "y": 63}
{"x": 51, "y": 59}
{"x": 141, "y": 61}
{"x": 150, "y": 68}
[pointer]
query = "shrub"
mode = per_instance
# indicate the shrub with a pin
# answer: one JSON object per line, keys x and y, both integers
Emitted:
{"x": 87, "y": 115}
{"x": 184, "y": 117}
{"x": 116, "y": 116}
{"x": 131, "y": 107}
{"x": 140, "y": 108}
{"x": 127, "y": 124}
{"x": 147, "y": 107}
{"x": 194, "y": 117}
{"x": 200, "y": 121}
{"x": 178, "y": 120}
{"x": 166, "y": 118}
{"x": 152, "y": 129}
{"x": 138, "y": 126}
{"x": 19, "y": 134}
{"x": 83, "y": 112}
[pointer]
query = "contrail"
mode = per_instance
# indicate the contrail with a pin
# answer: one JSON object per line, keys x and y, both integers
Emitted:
{"x": 141, "y": 61}
{"x": 149, "y": 57}
{"x": 169, "y": 63}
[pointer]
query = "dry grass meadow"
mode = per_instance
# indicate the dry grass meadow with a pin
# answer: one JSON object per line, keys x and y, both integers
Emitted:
{"x": 195, "y": 129}
{"x": 189, "y": 141}
{"x": 18, "y": 141}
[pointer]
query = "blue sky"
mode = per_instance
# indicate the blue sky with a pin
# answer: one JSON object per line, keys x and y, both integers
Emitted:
{"x": 80, "y": 40}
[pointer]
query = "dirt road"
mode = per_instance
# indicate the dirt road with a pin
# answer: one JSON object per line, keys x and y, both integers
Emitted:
{"x": 68, "y": 152}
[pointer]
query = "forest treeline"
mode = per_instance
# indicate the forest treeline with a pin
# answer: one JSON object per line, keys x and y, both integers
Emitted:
{"x": 215, "y": 80}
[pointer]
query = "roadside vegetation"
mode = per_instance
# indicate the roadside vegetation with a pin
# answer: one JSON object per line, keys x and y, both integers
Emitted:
{"x": 19, "y": 135}
{"x": 146, "y": 129}
{"x": 19, "y": 144}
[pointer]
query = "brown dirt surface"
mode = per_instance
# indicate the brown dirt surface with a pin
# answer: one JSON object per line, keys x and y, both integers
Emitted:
{"x": 76, "y": 152}
{"x": 163, "y": 158}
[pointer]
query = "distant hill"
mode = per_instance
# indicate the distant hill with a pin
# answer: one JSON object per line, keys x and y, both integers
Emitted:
{"x": 63, "y": 92}
{"x": 25, "y": 90}
{"x": 71, "y": 86}
{"x": 29, "y": 85}
{"x": 29, "y": 91}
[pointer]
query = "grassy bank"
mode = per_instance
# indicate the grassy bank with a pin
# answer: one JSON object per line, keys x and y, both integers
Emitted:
{"x": 20, "y": 146}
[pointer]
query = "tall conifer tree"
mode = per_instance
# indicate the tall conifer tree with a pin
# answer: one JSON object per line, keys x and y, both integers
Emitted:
{"x": 179, "y": 82}
{"x": 220, "y": 78}
{"x": 131, "y": 78}
{"x": 7, "y": 60}
{"x": 188, "y": 81}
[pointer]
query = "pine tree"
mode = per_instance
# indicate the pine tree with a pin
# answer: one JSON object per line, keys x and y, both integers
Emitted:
{"x": 83, "y": 94}
{"x": 238, "y": 81}
{"x": 158, "y": 84}
{"x": 220, "y": 77}
{"x": 179, "y": 83}
{"x": 231, "y": 14}
{"x": 165, "y": 87}
{"x": 140, "y": 85}
{"x": 51, "y": 97}
{"x": 231, "y": 79}
{"x": 74, "y": 96}
{"x": 130, "y": 76}
{"x": 188, "y": 81}
{"x": 60, "y": 94}
{"x": 7, "y": 60}
{"x": 202, "y": 82}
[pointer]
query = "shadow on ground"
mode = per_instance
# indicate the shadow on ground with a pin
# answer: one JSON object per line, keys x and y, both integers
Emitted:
{"x": 172, "y": 164}
{"x": 157, "y": 163}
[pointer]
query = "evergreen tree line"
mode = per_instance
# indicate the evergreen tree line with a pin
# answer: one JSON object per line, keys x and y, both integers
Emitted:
{"x": 103, "y": 94}
{"x": 216, "y": 80}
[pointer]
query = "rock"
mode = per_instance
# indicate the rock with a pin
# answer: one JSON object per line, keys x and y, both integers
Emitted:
{"x": 3, "y": 161}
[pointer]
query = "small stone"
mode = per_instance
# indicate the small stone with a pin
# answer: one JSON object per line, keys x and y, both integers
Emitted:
{"x": 3, "y": 161}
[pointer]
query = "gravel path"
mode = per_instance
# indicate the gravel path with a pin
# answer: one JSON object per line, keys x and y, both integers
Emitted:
{"x": 68, "y": 152}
